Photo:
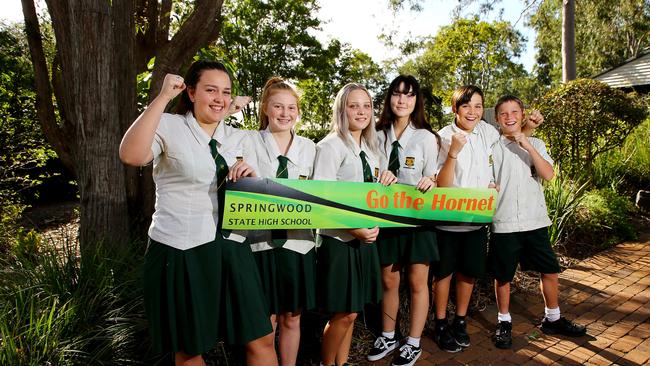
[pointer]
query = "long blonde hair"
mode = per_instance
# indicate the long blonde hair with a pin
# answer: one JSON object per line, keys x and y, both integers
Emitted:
{"x": 341, "y": 125}
{"x": 274, "y": 84}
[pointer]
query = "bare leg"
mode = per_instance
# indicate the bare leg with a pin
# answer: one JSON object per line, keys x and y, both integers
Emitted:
{"x": 390, "y": 278}
{"x": 344, "y": 351}
{"x": 464, "y": 287}
{"x": 261, "y": 351}
{"x": 549, "y": 284}
{"x": 334, "y": 335}
{"x": 418, "y": 276}
{"x": 441, "y": 296}
{"x": 289, "y": 338}
{"x": 183, "y": 359}
{"x": 502, "y": 293}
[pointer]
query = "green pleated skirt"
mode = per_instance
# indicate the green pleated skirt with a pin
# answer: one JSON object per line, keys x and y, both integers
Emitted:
{"x": 349, "y": 275}
{"x": 407, "y": 245}
{"x": 288, "y": 279}
{"x": 197, "y": 297}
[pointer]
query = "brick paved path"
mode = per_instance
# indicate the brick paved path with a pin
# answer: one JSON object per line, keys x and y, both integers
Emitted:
{"x": 608, "y": 292}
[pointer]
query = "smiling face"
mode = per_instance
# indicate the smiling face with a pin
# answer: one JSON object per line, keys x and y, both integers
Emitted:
{"x": 358, "y": 110}
{"x": 282, "y": 111}
{"x": 510, "y": 117}
{"x": 211, "y": 96}
{"x": 469, "y": 114}
{"x": 402, "y": 101}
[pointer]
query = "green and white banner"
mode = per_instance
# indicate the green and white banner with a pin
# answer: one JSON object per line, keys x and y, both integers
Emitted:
{"x": 264, "y": 203}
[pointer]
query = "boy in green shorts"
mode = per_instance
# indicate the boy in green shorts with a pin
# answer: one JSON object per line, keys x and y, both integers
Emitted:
{"x": 520, "y": 224}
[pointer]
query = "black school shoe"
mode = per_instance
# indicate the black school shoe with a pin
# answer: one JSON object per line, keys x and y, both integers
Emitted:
{"x": 459, "y": 332}
{"x": 503, "y": 335}
{"x": 408, "y": 354}
{"x": 444, "y": 339}
{"x": 564, "y": 327}
{"x": 381, "y": 348}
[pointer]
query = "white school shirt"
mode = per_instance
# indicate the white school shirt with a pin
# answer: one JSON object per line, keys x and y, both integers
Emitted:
{"x": 335, "y": 160}
{"x": 418, "y": 153}
{"x": 520, "y": 204}
{"x": 186, "y": 209}
{"x": 300, "y": 166}
{"x": 474, "y": 162}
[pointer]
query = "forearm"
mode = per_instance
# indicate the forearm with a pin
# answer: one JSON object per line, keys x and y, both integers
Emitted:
{"x": 135, "y": 148}
{"x": 446, "y": 175}
{"x": 544, "y": 168}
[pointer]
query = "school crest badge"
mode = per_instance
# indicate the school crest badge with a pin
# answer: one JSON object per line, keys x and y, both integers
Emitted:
{"x": 409, "y": 162}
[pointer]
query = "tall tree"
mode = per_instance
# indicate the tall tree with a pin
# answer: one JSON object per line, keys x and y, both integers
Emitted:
{"x": 568, "y": 41}
{"x": 470, "y": 51}
{"x": 101, "y": 46}
{"x": 263, "y": 38}
{"x": 607, "y": 32}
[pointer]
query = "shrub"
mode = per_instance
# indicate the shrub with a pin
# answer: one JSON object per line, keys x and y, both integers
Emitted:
{"x": 57, "y": 308}
{"x": 600, "y": 221}
{"x": 563, "y": 197}
{"x": 585, "y": 118}
{"x": 627, "y": 169}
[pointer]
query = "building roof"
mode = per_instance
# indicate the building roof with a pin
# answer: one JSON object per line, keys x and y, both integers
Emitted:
{"x": 631, "y": 73}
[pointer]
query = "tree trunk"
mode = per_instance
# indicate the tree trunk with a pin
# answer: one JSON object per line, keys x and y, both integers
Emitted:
{"x": 98, "y": 59}
{"x": 95, "y": 101}
{"x": 568, "y": 41}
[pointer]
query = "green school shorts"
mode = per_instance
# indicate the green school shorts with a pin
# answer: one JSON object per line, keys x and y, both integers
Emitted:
{"x": 531, "y": 249}
{"x": 462, "y": 252}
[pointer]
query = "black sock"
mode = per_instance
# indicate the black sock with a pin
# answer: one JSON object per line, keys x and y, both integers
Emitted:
{"x": 441, "y": 322}
{"x": 459, "y": 317}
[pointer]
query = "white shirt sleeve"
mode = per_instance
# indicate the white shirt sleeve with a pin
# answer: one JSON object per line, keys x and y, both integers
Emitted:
{"x": 327, "y": 163}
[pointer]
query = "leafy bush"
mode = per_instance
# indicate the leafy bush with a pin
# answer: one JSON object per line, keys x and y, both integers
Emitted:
{"x": 563, "y": 197}
{"x": 627, "y": 169}
{"x": 585, "y": 118}
{"x": 57, "y": 308}
{"x": 600, "y": 220}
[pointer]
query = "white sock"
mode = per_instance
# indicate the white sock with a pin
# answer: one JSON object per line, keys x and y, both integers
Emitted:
{"x": 552, "y": 314}
{"x": 413, "y": 341}
{"x": 389, "y": 335}
{"x": 504, "y": 317}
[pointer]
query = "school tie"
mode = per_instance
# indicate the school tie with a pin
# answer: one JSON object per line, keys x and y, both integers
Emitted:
{"x": 367, "y": 173}
{"x": 279, "y": 236}
{"x": 222, "y": 173}
{"x": 393, "y": 160}
{"x": 282, "y": 167}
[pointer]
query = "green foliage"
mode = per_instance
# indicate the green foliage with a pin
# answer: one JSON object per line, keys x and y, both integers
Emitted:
{"x": 24, "y": 149}
{"x": 62, "y": 309}
{"x": 562, "y": 199}
{"x": 266, "y": 38}
{"x": 585, "y": 118}
{"x": 607, "y": 32}
{"x": 470, "y": 51}
{"x": 602, "y": 220}
{"x": 627, "y": 169}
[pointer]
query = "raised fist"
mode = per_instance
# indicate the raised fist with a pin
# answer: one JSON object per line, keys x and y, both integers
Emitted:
{"x": 172, "y": 86}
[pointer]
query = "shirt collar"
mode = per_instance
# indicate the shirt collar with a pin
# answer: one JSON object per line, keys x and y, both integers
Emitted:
{"x": 272, "y": 146}
{"x": 406, "y": 135}
{"x": 196, "y": 130}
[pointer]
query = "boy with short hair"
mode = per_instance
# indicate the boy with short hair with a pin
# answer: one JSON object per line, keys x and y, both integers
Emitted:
{"x": 519, "y": 232}
{"x": 464, "y": 160}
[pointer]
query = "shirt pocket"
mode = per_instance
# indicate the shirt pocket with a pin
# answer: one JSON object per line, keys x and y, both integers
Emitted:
{"x": 232, "y": 156}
